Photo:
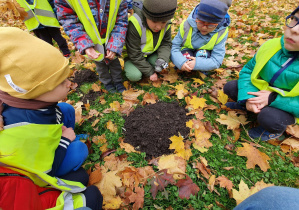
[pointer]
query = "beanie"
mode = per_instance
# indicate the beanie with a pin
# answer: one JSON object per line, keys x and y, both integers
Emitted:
{"x": 29, "y": 66}
{"x": 295, "y": 11}
{"x": 159, "y": 10}
{"x": 212, "y": 11}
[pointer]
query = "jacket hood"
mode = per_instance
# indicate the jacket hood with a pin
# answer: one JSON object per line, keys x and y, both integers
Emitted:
{"x": 192, "y": 17}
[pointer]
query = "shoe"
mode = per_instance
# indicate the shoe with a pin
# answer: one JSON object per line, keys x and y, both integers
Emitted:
{"x": 67, "y": 55}
{"x": 120, "y": 87}
{"x": 110, "y": 88}
{"x": 260, "y": 133}
{"x": 235, "y": 105}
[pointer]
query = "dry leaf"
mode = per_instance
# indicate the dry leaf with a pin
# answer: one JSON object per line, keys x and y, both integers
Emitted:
{"x": 232, "y": 120}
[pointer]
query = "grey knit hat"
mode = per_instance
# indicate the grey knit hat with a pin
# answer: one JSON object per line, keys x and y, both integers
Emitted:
{"x": 159, "y": 10}
{"x": 212, "y": 11}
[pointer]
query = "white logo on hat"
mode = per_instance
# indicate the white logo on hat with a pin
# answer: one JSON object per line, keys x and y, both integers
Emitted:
{"x": 13, "y": 85}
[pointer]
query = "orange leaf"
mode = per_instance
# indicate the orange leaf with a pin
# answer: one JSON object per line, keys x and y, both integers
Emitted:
{"x": 149, "y": 98}
{"x": 95, "y": 176}
{"x": 225, "y": 182}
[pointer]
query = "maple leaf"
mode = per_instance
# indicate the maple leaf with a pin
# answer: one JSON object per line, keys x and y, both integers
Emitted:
{"x": 127, "y": 147}
{"x": 199, "y": 81}
{"x": 244, "y": 191}
{"x": 95, "y": 176}
{"x": 172, "y": 76}
{"x": 160, "y": 181}
{"x": 173, "y": 163}
{"x": 78, "y": 112}
{"x": 198, "y": 102}
{"x": 132, "y": 95}
{"x": 202, "y": 136}
{"x": 157, "y": 83}
{"x": 187, "y": 188}
{"x": 127, "y": 107}
{"x": 101, "y": 140}
{"x": 293, "y": 143}
{"x": 232, "y": 120}
{"x": 137, "y": 198}
{"x": 111, "y": 126}
{"x": 78, "y": 58}
{"x": 254, "y": 156}
{"x": 95, "y": 87}
{"x": 225, "y": 182}
{"x": 113, "y": 203}
{"x": 293, "y": 130}
{"x": 179, "y": 147}
{"x": 222, "y": 97}
{"x": 181, "y": 92}
{"x": 92, "y": 113}
{"x": 149, "y": 98}
{"x": 202, "y": 167}
{"x": 114, "y": 163}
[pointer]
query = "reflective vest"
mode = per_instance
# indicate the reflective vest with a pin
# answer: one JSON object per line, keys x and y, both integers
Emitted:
{"x": 85, "y": 16}
{"x": 186, "y": 33}
{"x": 40, "y": 12}
{"x": 33, "y": 155}
{"x": 263, "y": 55}
{"x": 146, "y": 35}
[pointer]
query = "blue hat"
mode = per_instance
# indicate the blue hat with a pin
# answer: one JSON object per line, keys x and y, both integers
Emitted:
{"x": 212, "y": 11}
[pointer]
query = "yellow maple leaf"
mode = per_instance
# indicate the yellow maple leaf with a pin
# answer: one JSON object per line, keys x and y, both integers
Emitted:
{"x": 189, "y": 124}
{"x": 254, "y": 157}
{"x": 177, "y": 142}
{"x": 198, "y": 102}
{"x": 222, "y": 97}
{"x": 115, "y": 106}
{"x": 199, "y": 81}
{"x": 181, "y": 92}
{"x": 232, "y": 120}
{"x": 113, "y": 203}
{"x": 173, "y": 163}
{"x": 108, "y": 184}
{"x": 111, "y": 126}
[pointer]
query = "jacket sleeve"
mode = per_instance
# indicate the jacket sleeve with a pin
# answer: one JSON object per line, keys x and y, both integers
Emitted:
{"x": 165, "y": 47}
{"x": 176, "y": 56}
{"x": 118, "y": 34}
{"x": 244, "y": 82}
{"x": 72, "y": 26}
{"x": 213, "y": 62}
{"x": 60, "y": 153}
{"x": 133, "y": 42}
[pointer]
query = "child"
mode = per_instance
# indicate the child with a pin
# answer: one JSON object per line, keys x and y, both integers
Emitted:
{"x": 148, "y": 40}
{"x": 268, "y": 83}
{"x": 34, "y": 143}
{"x": 42, "y": 21}
{"x": 200, "y": 42}
{"x": 98, "y": 30}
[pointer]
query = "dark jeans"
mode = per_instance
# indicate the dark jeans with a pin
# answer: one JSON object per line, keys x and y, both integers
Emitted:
{"x": 109, "y": 73}
{"x": 49, "y": 33}
{"x": 271, "y": 119}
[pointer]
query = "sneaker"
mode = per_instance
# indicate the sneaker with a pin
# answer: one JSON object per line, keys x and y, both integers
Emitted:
{"x": 110, "y": 88}
{"x": 120, "y": 87}
{"x": 235, "y": 105}
{"x": 260, "y": 133}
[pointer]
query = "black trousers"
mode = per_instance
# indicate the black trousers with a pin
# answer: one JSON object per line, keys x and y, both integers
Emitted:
{"x": 49, "y": 33}
{"x": 271, "y": 119}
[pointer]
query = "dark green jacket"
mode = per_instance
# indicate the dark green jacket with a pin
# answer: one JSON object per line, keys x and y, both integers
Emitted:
{"x": 133, "y": 41}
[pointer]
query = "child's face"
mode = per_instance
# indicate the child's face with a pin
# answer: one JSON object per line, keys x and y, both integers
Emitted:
{"x": 156, "y": 26}
{"x": 291, "y": 36}
{"x": 205, "y": 27}
{"x": 57, "y": 94}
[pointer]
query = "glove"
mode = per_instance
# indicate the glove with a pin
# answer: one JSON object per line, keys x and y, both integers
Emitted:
{"x": 160, "y": 64}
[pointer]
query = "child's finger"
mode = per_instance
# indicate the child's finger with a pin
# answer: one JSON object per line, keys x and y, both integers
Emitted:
{"x": 253, "y": 93}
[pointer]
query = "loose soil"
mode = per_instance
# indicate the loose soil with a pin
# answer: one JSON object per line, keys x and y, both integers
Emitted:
{"x": 91, "y": 97}
{"x": 85, "y": 76}
{"x": 149, "y": 128}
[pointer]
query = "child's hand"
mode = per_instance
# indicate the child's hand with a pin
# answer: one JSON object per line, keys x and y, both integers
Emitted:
{"x": 262, "y": 97}
{"x": 154, "y": 77}
{"x": 92, "y": 53}
{"x": 255, "y": 108}
{"x": 191, "y": 62}
{"x": 68, "y": 133}
{"x": 110, "y": 55}
{"x": 186, "y": 67}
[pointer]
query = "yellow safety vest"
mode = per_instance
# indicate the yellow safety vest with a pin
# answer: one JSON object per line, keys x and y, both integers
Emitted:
{"x": 186, "y": 33}
{"x": 146, "y": 35}
{"x": 40, "y": 12}
{"x": 86, "y": 18}
{"x": 30, "y": 149}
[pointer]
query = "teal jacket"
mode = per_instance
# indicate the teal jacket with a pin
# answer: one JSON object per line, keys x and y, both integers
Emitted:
{"x": 287, "y": 80}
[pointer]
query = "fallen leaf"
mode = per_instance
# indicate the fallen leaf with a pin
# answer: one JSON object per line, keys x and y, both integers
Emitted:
{"x": 211, "y": 184}
{"x": 95, "y": 87}
{"x": 225, "y": 182}
{"x": 127, "y": 147}
{"x": 172, "y": 76}
{"x": 232, "y": 120}
{"x": 293, "y": 143}
{"x": 293, "y": 130}
{"x": 95, "y": 176}
{"x": 187, "y": 188}
{"x": 149, "y": 98}
{"x": 173, "y": 163}
{"x": 111, "y": 126}
{"x": 254, "y": 157}
{"x": 160, "y": 181}
{"x": 198, "y": 102}
{"x": 222, "y": 97}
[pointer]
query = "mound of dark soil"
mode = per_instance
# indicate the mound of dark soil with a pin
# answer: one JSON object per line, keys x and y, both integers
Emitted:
{"x": 149, "y": 128}
{"x": 85, "y": 76}
{"x": 91, "y": 97}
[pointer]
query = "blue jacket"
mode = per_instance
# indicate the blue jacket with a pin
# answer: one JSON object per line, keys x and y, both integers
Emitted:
{"x": 49, "y": 115}
{"x": 198, "y": 40}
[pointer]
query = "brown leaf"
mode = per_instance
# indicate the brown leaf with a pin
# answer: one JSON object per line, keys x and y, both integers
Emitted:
{"x": 293, "y": 130}
{"x": 95, "y": 176}
{"x": 160, "y": 181}
{"x": 254, "y": 156}
{"x": 157, "y": 83}
{"x": 95, "y": 87}
{"x": 137, "y": 198}
{"x": 203, "y": 169}
{"x": 225, "y": 182}
{"x": 187, "y": 188}
{"x": 149, "y": 98}
{"x": 172, "y": 76}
